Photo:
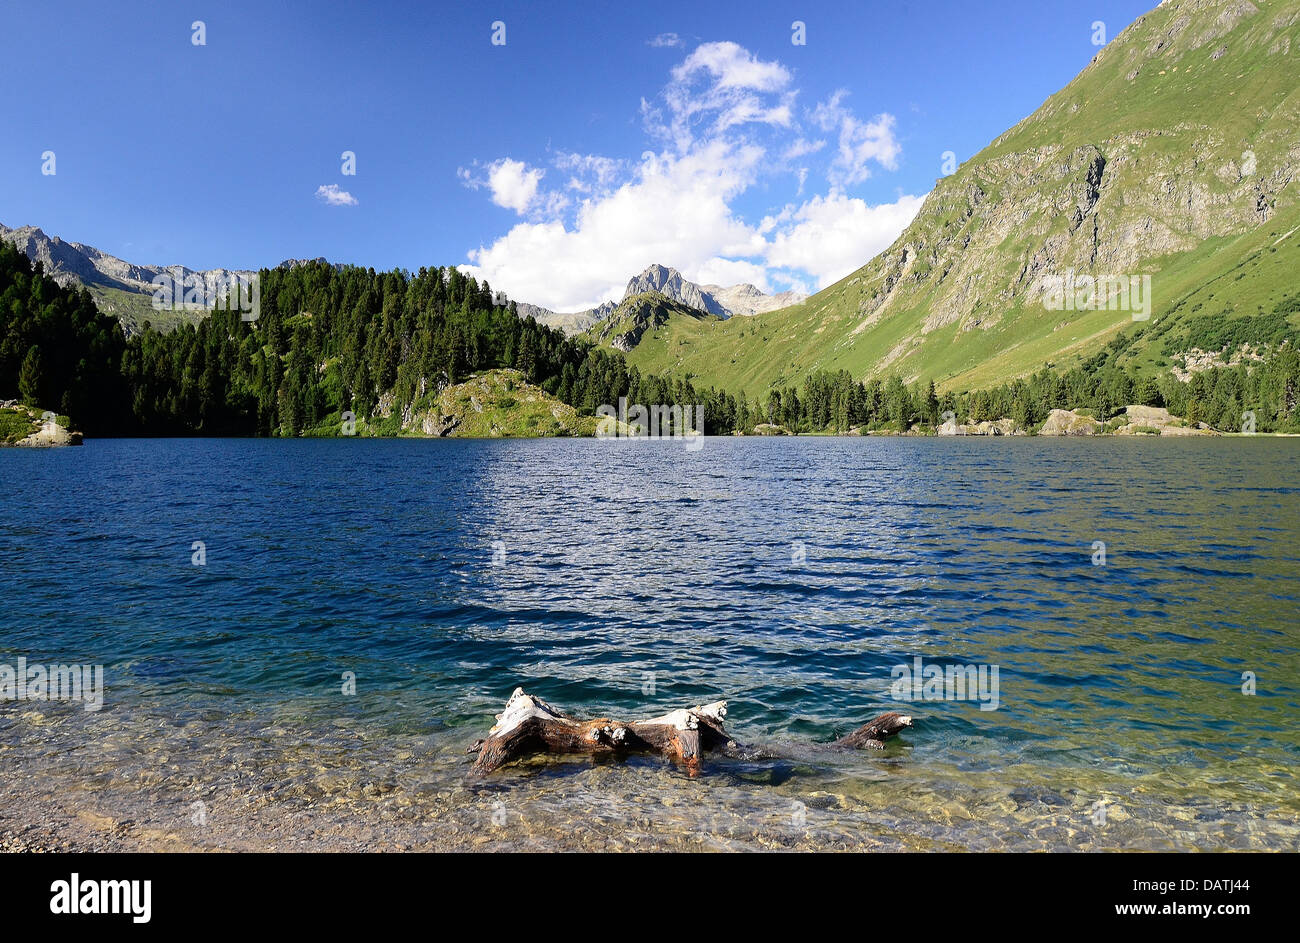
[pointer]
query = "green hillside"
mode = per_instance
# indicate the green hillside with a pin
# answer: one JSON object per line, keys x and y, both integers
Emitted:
{"x": 489, "y": 405}
{"x": 1173, "y": 155}
{"x": 133, "y": 309}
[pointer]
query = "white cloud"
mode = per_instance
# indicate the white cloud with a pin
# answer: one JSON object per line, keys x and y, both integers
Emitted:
{"x": 332, "y": 195}
{"x": 589, "y": 173}
{"x": 513, "y": 185}
{"x": 727, "y": 272}
{"x": 733, "y": 66}
{"x": 829, "y": 237}
{"x": 664, "y": 40}
{"x": 724, "y": 82}
{"x": 860, "y": 141}
{"x": 802, "y": 148}
{"x": 726, "y": 123}
{"x": 675, "y": 211}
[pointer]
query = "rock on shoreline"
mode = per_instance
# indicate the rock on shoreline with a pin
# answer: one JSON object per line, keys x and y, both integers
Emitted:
{"x": 986, "y": 427}
{"x": 30, "y": 427}
{"x": 1150, "y": 420}
{"x": 1136, "y": 420}
{"x": 1068, "y": 422}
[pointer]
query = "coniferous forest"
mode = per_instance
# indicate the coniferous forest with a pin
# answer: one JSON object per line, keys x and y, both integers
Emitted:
{"x": 56, "y": 349}
{"x": 326, "y": 340}
{"x": 330, "y": 339}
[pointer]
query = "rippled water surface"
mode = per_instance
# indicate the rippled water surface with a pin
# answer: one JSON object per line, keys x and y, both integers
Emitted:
{"x": 788, "y": 576}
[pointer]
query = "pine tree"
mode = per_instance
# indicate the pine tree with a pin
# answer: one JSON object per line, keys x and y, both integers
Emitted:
{"x": 31, "y": 377}
{"x": 931, "y": 404}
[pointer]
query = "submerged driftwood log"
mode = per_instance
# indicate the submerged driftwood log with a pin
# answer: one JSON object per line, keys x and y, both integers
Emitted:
{"x": 529, "y": 725}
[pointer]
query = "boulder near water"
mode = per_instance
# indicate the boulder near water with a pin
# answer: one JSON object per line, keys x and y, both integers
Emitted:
{"x": 30, "y": 427}
{"x": 984, "y": 427}
{"x": 1069, "y": 422}
{"x": 1155, "y": 420}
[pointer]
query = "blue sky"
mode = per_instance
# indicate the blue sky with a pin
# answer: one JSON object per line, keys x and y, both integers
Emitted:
{"x": 598, "y": 139}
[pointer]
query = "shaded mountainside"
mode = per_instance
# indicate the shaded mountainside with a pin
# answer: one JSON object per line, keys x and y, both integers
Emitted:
{"x": 627, "y": 325}
{"x": 1173, "y": 154}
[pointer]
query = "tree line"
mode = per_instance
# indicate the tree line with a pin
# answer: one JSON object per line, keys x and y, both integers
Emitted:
{"x": 1220, "y": 396}
{"x": 333, "y": 338}
{"x": 326, "y": 339}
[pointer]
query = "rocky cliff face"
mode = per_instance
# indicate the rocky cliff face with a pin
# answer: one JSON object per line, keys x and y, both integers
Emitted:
{"x": 669, "y": 283}
{"x": 1158, "y": 175}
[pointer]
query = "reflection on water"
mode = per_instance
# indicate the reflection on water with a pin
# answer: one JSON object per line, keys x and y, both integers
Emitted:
{"x": 637, "y": 577}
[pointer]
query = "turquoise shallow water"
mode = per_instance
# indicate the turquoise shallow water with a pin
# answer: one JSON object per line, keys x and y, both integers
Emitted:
{"x": 788, "y": 576}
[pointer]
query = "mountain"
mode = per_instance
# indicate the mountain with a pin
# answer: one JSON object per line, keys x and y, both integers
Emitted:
{"x": 669, "y": 283}
{"x": 325, "y": 357}
{"x": 572, "y": 323}
{"x": 745, "y": 299}
{"x": 126, "y": 290}
{"x": 1172, "y": 156}
{"x": 119, "y": 288}
{"x": 643, "y": 312}
{"x": 123, "y": 289}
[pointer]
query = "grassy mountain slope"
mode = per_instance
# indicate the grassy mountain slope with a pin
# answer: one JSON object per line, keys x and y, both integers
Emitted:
{"x": 132, "y": 309}
{"x": 1173, "y": 154}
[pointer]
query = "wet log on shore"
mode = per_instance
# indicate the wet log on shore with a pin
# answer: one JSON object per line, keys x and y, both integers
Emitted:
{"x": 874, "y": 734}
{"x": 529, "y": 725}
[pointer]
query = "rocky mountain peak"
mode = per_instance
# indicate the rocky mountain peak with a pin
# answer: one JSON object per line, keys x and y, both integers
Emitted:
{"x": 670, "y": 283}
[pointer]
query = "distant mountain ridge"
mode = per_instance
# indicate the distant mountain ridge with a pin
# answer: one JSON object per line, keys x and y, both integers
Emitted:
{"x": 570, "y": 323}
{"x": 126, "y": 289}
{"x": 66, "y": 262}
{"x": 745, "y": 299}
{"x": 724, "y": 302}
{"x": 120, "y": 288}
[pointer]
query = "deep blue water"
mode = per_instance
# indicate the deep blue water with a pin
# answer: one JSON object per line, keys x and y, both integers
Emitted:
{"x": 788, "y": 576}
